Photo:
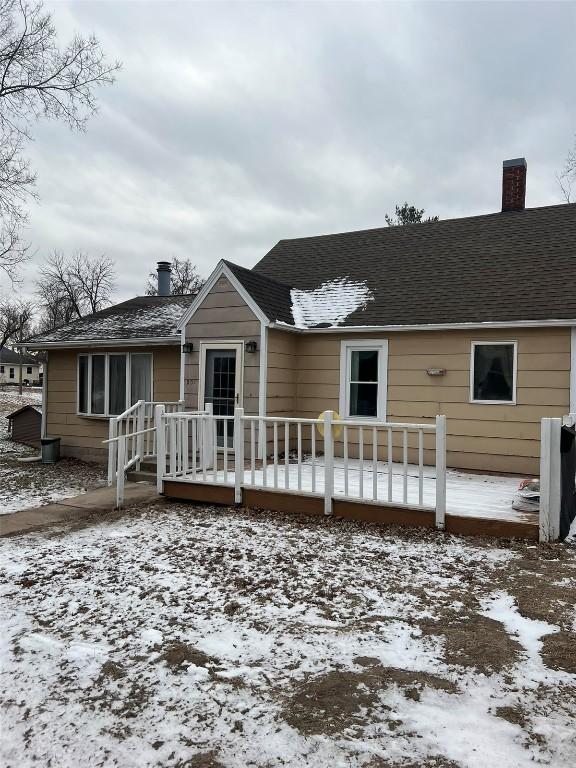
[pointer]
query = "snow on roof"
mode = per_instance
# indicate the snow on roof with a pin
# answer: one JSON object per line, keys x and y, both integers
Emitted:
{"x": 329, "y": 304}
{"x": 144, "y": 317}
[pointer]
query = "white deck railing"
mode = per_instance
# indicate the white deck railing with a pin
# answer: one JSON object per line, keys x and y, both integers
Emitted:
{"x": 132, "y": 439}
{"x": 550, "y": 475}
{"x": 351, "y": 460}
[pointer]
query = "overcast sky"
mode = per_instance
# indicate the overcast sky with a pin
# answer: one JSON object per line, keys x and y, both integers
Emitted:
{"x": 233, "y": 125}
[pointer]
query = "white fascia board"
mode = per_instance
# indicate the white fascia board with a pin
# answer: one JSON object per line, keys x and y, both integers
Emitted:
{"x": 573, "y": 370}
{"x": 490, "y": 325}
{"x": 221, "y": 270}
{"x": 89, "y": 343}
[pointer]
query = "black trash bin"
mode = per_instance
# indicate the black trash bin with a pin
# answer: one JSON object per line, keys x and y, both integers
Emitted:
{"x": 50, "y": 449}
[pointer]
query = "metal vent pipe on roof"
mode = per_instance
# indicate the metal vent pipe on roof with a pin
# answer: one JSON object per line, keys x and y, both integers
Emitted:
{"x": 164, "y": 272}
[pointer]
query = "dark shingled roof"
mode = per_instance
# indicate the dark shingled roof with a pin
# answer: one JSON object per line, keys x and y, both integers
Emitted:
{"x": 145, "y": 317}
{"x": 272, "y": 297}
{"x": 497, "y": 267}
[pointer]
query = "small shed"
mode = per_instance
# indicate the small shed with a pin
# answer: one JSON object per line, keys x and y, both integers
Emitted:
{"x": 25, "y": 425}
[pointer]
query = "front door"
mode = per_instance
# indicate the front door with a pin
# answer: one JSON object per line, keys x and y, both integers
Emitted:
{"x": 221, "y": 384}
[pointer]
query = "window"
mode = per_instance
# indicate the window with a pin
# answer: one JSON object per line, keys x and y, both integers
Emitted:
{"x": 11, "y": 373}
{"x": 363, "y": 379}
{"x": 29, "y": 369}
{"x": 1, "y": 369}
{"x": 110, "y": 383}
{"x": 493, "y": 372}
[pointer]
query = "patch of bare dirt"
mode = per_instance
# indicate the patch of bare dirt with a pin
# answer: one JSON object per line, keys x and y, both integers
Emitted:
{"x": 475, "y": 641}
{"x": 559, "y": 651}
{"x": 432, "y": 761}
{"x": 329, "y": 703}
{"x": 201, "y": 760}
{"x": 177, "y": 655}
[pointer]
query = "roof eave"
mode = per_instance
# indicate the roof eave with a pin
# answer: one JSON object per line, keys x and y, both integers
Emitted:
{"x": 490, "y": 324}
{"x": 76, "y": 343}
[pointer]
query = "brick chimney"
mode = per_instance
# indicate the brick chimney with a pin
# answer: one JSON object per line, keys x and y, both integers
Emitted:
{"x": 164, "y": 272}
{"x": 514, "y": 184}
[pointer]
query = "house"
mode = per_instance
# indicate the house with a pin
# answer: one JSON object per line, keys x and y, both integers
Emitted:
{"x": 14, "y": 365}
{"x": 25, "y": 425}
{"x": 471, "y": 318}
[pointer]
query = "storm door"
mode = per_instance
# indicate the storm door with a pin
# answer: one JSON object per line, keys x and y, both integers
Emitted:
{"x": 221, "y": 382}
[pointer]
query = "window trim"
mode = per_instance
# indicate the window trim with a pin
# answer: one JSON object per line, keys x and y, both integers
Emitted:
{"x": 488, "y": 342}
{"x": 346, "y": 348}
{"x": 107, "y": 355}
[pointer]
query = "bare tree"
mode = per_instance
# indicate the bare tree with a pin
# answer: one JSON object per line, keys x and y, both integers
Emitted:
{"x": 74, "y": 286}
{"x": 15, "y": 317}
{"x": 567, "y": 177}
{"x": 38, "y": 79}
{"x": 184, "y": 279}
{"x": 407, "y": 214}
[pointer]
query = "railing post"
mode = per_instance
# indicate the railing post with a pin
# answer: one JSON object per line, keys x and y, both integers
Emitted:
{"x": 160, "y": 447}
{"x": 238, "y": 453}
{"x": 120, "y": 471}
{"x": 328, "y": 462}
{"x": 550, "y": 480}
{"x": 112, "y": 450}
{"x": 207, "y": 437}
{"x": 139, "y": 428}
{"x": 440, "y": 471}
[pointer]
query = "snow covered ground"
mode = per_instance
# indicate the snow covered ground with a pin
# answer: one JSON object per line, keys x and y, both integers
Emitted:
{"x": 177, "y": 636}
{"x": 27, "y": 485}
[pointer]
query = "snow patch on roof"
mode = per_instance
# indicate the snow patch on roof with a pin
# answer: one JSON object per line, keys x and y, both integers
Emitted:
{"x": 329, "y": 304}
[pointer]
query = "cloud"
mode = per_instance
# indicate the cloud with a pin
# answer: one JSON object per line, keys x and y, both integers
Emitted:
{"x": 233, "y": 125}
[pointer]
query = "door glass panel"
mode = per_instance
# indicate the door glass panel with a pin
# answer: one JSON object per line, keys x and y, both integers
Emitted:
{"x": 221, "y": 388}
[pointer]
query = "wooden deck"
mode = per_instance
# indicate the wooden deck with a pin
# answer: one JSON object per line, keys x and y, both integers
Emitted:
{"x": 477, "y": 505}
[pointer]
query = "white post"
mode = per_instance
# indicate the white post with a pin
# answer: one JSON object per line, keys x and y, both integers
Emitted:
{"x": 550, "y": 486}
{"x": 440, "y": 471}
{"x": 328, "y": 462}
{"x": 112, "y": 450}
{"x": 160, "y": 447}
{"x": 120, "y": 471}
{"x": 208, "y": 437}
{"x": 140, "y": 428}
{"x": 238, "y": 453}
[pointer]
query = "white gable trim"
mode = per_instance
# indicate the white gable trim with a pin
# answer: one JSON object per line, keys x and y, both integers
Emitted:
{"x": 221, "y": 271}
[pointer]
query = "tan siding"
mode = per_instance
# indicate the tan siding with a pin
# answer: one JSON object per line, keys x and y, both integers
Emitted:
{"x": 282, "y": 373}
{"x": 501, "y": 438}
{"x": 223, "y": 316}
{"x": 81, "y": 435}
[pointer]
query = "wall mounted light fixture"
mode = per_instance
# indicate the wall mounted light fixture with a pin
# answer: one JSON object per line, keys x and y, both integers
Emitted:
{"x": 187, "y": 348}
{"x": 251, "y": 346}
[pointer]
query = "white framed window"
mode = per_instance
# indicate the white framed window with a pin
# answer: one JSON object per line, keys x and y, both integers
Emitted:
{"x": 363, "y": 379}
{"x": 493, "y": 371}
{"x": 29, "y": 369}
{"x": 1, "y": 369}
{"x": 11, "y": 373}
{"x": 109, "y": 383}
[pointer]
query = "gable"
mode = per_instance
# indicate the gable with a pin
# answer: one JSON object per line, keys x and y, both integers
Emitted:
{"x": 223, "y": 307}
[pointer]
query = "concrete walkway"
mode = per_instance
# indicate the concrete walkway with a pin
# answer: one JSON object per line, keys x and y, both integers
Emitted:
{"x": 76, "y": 508}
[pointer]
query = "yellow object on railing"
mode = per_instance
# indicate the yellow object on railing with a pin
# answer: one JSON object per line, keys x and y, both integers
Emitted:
{"x": 336, "y": 427}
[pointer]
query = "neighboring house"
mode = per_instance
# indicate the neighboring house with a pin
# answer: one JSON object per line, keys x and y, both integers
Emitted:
{"x": 13, "y": 363}
{"x": 25, "y": 425}
{"x": 473, "y": 318}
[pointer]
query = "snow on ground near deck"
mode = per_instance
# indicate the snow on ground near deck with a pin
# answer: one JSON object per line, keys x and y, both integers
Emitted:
{"x": 27, "y": 485}
{"x": 467, "y": 494}
{"x": 190, "y": 637}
